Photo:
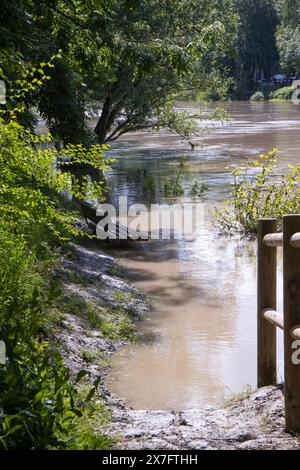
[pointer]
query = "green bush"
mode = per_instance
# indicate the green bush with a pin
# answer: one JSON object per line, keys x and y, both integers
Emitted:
{"x": 38, "y": 400}
{"x": 283, "y": 94}
{"x": 198, "y": 189}
{"x": 258, "y": 96}
{"x": 259, "y": 191}
{"x": 37, "y": 397}
{"x": 173, "y": 186}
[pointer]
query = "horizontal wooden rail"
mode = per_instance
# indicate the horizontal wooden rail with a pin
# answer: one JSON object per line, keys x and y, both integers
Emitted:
{"x": 295, "y": 240}
{"x": 276, "y": 240}
{"x": 277, "y": 319}
{"x": 274, "y": 317}
{"x": 273, "y": 239}
{"x": 295, "y": 332}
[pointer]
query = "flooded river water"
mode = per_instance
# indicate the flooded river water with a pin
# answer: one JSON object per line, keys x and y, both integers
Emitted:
{"x": 199, "y": 340}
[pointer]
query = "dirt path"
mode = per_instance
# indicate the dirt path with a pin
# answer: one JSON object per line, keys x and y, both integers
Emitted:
{"x": 256, "y": 422}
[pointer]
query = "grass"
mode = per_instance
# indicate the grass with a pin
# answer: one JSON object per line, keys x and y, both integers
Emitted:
{"x": 94, "y": 356}
{"x": 121, "y": 296}
{"x": 114, "y": 323}
{"x": 235, "y": 398}
{"x": 74, "y": 277}
{"x": 266, "y": 424}
{"x": 116, "y": 271}
{"x": 83, "y": 431}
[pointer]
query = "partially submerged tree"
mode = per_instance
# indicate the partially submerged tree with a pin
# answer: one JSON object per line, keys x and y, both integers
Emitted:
{"x": 158, "y": 50}
{"x": 132, "y": 56}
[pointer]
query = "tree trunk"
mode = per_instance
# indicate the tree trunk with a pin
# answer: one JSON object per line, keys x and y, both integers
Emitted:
{"x": 108, "y": 115}
{"x": 101, "y": 128}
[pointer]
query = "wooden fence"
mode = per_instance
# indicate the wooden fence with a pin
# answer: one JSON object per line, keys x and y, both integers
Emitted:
{"x": 268, "y": 316}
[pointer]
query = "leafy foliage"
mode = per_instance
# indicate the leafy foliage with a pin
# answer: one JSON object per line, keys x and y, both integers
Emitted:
{"x": 258, "y": 96}
{"x": 288, "y": 35}
{"x": 256, "y": 50}
{"x": 260, "y": 191}
{"x": 284, "y": 93}
{"x": 134, "y": 57}
{"x": 160, "y": 51}
{"x": 277, "y": 94}
{"x": 198, "y": 189}
{"x": 173, "y": 185}
{"x": 288, "y": 40}
{"x": 37, "y": 402}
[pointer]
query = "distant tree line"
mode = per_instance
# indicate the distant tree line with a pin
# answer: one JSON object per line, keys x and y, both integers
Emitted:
{"x": 288, "y": 35}
{"x": 267, "y": 42}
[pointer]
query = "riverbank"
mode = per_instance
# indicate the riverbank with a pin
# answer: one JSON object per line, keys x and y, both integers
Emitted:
{"x": 255, "y": 421}
{"x": 100, "y": 310}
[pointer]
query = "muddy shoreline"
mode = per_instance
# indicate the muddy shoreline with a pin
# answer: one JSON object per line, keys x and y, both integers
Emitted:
{"x": 255, "y": 421}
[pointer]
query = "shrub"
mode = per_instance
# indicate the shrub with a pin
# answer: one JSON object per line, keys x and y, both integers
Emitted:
{"x": 258, "y": 96}
{"x": 198, "y": 189}
{"x": 149, "y": 187}
{"x": 173, "y": 186}
{"x": 259, "y": 191}
{"x": 283, "y": 94}
{"x": 37, "y": 402}
{"x": 37, "y": 397}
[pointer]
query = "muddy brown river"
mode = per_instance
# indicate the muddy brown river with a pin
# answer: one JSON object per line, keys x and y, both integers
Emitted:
{"x": 199, "y": 340}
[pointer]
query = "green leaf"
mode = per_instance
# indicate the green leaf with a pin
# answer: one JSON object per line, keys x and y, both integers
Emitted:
{"x": 82, "y": 373}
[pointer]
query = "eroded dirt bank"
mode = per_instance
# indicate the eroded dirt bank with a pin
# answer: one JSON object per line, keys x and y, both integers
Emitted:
{"x": 103, "y": 308}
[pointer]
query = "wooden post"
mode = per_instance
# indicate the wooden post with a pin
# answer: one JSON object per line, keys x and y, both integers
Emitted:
{"x": 291, "y": 292}
{"x": 266, "y": 299}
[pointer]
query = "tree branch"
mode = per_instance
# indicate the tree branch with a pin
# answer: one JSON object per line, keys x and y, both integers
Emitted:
{"x": 70, "y": 18}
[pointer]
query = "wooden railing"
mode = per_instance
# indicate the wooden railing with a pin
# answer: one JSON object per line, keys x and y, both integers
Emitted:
{"x": 268, "y": 316}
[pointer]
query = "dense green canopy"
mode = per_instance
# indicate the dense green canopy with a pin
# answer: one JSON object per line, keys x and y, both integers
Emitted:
{"x": 130, "y": 59}
{"x": 132, "y": 56}
{"x": 288, "y": 37}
